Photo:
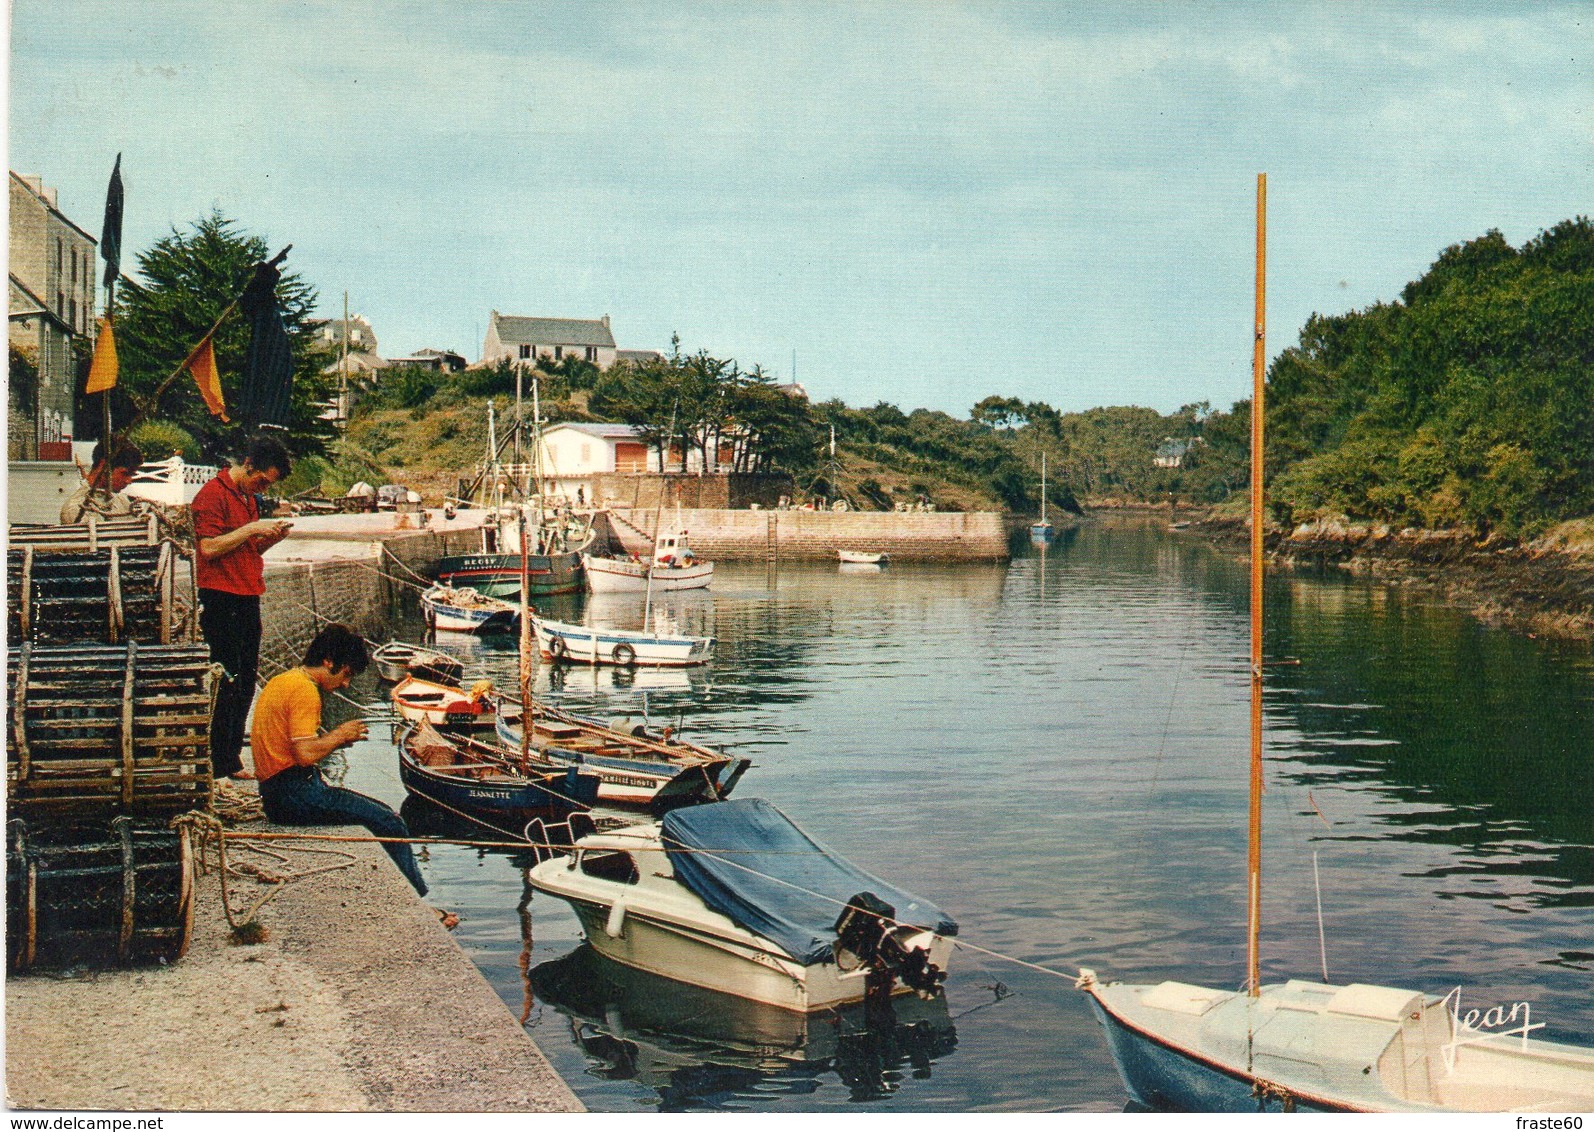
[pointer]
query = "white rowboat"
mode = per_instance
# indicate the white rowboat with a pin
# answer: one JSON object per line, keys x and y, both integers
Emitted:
{"x": 585, "y": 644}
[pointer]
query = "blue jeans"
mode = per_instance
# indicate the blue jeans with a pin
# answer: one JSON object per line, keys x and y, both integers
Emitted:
{"x": 297, "y": 796}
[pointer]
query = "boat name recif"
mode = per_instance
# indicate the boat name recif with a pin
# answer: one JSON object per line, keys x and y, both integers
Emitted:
{"x": 1479, "y": 1026}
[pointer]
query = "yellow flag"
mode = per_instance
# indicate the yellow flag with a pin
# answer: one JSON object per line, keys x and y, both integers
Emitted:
{"x": 202, "y": 364}
{"x": 102, "y": 370}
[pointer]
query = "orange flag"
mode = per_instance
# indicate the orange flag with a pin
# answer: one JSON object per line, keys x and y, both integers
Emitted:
{"x": 102, "y": 370}
{"x": 202, "y": 364}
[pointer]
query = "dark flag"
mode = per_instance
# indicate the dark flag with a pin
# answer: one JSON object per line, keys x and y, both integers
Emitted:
{"x": 111, "y": 232}
{"x": 268, "y": 367}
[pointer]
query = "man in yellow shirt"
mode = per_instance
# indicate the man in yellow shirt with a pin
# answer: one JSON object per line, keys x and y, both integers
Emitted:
{"x": 287, "y": 742}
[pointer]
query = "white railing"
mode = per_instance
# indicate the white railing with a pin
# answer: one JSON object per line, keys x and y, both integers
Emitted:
{"x": 172, "y": 481}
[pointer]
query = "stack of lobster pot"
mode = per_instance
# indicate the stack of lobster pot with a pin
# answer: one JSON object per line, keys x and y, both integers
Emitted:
{"x": 110, "y": 701}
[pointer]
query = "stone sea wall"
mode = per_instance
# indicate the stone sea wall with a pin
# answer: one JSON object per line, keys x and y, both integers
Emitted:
{"x": 356, "y": 583}
{"x": 942, "y": 536}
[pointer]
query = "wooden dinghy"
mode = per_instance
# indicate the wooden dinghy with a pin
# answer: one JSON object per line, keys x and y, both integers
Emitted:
{"x": 634, "y": 767}
{"x": 469, "y": 776}
{"x": 466, "y": 611}
{"x": 397, "y": 660}
{"x": 444, "y": 705}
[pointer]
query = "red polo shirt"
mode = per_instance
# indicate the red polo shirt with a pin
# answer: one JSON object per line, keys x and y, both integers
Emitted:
{"x": 218, "y": 508}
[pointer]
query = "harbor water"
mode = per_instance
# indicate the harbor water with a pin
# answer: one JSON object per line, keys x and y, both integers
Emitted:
{"x": 1054, "y": 751}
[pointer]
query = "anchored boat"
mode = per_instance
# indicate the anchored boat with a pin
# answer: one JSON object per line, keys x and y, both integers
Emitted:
{"x": 444, "y": 705}
{"x": 466, "y": 611}
{"x": 864, "y": 558}
{"x": 467, "y": 776}
{"x": 733, "y": 897}
{"x": 1315, "y": 1046}
{"x": 584, "y": 644}
{"x": 634, "y": 766}
{"x": 397, "y": 660}
{"x": 673, "y": 567}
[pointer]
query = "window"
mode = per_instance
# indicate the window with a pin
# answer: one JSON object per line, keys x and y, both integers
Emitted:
{"x": 592, "y": 353}
{"x": 615, "y": 866}
{"x": 525, "y": 351}
{"x": 71, "y": 318}
{"x": 74, "y": 265}
{"x": 558, "y": 353}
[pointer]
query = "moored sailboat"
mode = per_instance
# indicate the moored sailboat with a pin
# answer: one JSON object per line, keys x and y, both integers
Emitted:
{"x": 1314, "y": 1046}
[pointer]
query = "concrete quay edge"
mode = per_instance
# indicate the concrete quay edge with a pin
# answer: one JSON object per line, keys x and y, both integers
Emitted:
{"x": 358, "y": 1000}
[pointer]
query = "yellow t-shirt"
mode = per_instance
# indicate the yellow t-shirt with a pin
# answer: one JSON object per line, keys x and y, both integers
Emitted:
{"x": 289, "y": 708}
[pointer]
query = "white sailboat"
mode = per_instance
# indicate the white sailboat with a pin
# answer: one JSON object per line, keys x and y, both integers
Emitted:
{"x": 1041, "y": 533}
{"x": 1313, "y": 1046}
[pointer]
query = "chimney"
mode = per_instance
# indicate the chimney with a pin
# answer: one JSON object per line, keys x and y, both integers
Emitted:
{"x": 606, "y": 322}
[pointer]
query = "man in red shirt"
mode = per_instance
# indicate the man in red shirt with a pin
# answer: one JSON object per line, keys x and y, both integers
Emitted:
{"x": 231, "y": 536}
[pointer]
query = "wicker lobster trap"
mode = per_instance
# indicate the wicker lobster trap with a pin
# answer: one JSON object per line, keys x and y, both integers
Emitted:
{"x": 98, "y": 731}
{"x": 118, "y": 893}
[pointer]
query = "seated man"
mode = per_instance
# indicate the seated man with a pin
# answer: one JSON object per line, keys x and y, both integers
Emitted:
{"x": 94, "y": 497}
{"x": 287, "y": 743}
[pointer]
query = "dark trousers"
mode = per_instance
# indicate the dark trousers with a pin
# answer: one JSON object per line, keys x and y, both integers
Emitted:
{"x": 298, "y": 796}
{"x": 231, "y": 625}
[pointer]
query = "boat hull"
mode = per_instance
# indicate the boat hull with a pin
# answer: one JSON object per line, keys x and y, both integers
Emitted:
{"x": 517, "y": 801}
{"x": 756, "y": 971}
{"x": 445, "y": 616}
{"x": 583, "y": 644}
{"x": 498, "y": 575}
{"x": 636, "y": 781}
{"x": 617, "y": 575}
{"x": 1160, "y": 1076}
{"x": 443, "y": 707}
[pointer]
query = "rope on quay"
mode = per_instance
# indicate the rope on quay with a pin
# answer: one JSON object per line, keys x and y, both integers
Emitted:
{"x": 958, "y": 942}
{"x": 207, "y": 829}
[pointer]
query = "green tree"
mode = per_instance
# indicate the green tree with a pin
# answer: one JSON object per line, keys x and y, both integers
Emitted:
{"x": 188, "y": 278}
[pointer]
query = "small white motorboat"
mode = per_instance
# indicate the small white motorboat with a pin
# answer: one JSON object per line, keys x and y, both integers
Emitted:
{"x": 673, "y": 567}
{"x": 398, "y": 659}
{"x": 445, "y": 705}
{"x": 733, "y": 897}
{"x": 466, "y": 611}
{"x": 586, "y": 644}
{"x": 864, "y": 558}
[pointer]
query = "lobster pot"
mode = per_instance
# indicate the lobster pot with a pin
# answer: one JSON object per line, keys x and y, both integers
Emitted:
{"x": 95, "y": 533}
{"x": 101, "y": 730}
{"x": 119, "y": 894}
{"x": 112, "y": 594}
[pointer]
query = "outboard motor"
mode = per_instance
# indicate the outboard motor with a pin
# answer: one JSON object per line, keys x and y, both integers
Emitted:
{"x": 867, "y": 935}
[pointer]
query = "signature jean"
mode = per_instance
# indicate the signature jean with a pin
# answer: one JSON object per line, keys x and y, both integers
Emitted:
{"x": 298, "y": 796}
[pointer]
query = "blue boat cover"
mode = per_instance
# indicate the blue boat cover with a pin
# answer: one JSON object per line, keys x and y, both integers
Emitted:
{"x": 769, "y": 872}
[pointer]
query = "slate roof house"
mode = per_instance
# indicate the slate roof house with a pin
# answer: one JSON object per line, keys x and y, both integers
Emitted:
{"x": 523, "y": 339}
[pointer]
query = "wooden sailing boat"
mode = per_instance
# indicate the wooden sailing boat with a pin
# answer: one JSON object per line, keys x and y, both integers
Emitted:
{"x": 1313, "y": 1046}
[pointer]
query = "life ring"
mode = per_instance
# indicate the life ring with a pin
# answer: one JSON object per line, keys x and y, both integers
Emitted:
{"x": 623, "y": 655}
{"x": 558, "y": 649}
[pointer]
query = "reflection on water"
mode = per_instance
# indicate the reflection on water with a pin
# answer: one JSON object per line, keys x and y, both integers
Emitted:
{"x": 698, "y": 1049}
{"x": 1054, "y": 751}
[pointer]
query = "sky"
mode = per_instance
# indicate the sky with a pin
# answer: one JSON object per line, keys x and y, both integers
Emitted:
{"x": 923, "y": 203}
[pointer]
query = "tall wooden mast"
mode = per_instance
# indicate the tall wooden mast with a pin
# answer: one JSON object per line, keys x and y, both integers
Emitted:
{"x": 1258, "y": 376}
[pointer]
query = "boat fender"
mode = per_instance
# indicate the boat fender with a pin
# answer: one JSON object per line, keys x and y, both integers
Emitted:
{"x": 614, "y": 926}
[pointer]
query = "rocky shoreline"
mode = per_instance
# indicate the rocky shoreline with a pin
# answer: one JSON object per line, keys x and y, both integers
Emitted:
{"x": 1544, "y": 587}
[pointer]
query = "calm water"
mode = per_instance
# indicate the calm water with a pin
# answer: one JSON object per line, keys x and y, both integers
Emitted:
{"x": 1054, "y": 751}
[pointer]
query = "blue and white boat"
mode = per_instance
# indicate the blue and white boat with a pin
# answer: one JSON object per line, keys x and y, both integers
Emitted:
{"x": 589, "y": 644}
{"x": 735, "y": 898}
{"x": 1304, "y": 1046}
{"x": 634, "y": 766}
{"x": 465, "y": 611}
{"x": 473, "y": 778}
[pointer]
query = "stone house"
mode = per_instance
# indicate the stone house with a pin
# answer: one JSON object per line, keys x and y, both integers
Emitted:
{"x": 521, "y": 339}
{"x": 50, "y": 306}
